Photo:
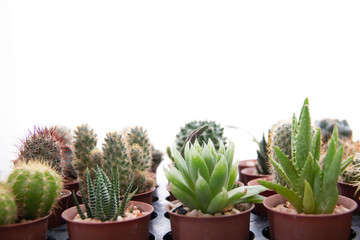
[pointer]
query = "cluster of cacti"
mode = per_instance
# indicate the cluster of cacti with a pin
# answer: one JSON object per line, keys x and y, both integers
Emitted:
{"x": 36, "y": 187}
{"x": 327, "y": 126}
{"x": 310, "y": 187}
{"x": 214, "y": 132}
{"x": 280, "y": 137}
{"x": 156, "y": 158}
{"x": 86, "y": 154}
{"x": 131, "y": 153}
{"x": 352, "y": 173}
{"x": 204, "y": 178}
{"x": 52, "y": 145}
{"x": 8, "y": 211}
{"x": 263, "y": 165}
{"x": 103, "y": 202}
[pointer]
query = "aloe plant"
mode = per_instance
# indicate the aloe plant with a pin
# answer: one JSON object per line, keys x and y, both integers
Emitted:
{"x": 204, "y": 178}
{"x": 311, "y": 187}
{"x": 104, "y": 197}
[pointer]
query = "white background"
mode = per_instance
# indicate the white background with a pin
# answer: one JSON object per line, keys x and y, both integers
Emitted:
{"x": 159, "y": 64}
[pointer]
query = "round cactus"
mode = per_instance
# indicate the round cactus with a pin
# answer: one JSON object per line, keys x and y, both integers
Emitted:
{"x": 8, "y": 212}
{"x": 36, "y": 187}
{"x": 352, "y": 172}
{"x": 214, "y": 132}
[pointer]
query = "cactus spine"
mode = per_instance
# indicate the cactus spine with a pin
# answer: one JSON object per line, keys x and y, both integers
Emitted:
{"x": 8, "y": 211}
{"x": 36, "y": 187}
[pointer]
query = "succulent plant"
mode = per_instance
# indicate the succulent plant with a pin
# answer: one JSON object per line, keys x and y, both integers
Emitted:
{"x": 213, "y": 132}
{"x": 138, "y": 136}
{"x": 86, "y": 155}
{"x": 309, "y": 188}
{"x": 36, "y": 187}
{"x": 352, "y": 173}
{"x": 8, "y": 211}
{"x": 204, "y": 178}
{"x": 263, "y": 164}
{"x": 156, "y": 158}
{"x": 104, "y": 201}
{"x": 327, "y": 126}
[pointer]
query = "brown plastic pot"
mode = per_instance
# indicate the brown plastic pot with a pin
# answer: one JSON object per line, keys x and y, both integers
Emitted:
{"x": 348, "y": 190}
{"x": 133, "y": 229}
{"x": 285, "y": 226}
{"x": 72, "y": 186}
{"x": 55, "y": 217}
{"x": 249, "y": 174}
{"x": 245, "y": 164}
{"x": 259, "y": 209}
{"x": 210, "y": 228}
{"x": 30, "y": 230}
{"x": 145, "y": 197}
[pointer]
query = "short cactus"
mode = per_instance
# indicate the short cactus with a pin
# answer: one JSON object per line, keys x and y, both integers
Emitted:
{"x": 156, "y": 158}
{"x": 36, "y": 187}
{"x": 352, "y": 173}
{"x": 138, "y": 136}
{"x": 327, "y": 126}
{"x": 214, "y": 132}
{"x": 8, "y": 212}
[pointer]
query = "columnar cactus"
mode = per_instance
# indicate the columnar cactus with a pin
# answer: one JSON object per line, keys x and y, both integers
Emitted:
{"x": 138, "y": 136}
{"x": 36, "y": 187}
{"x": 8, "y": 212}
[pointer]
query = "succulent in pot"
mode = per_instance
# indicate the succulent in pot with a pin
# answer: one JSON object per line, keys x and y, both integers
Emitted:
{"x": 310, "y": 186}
{"x": 104, "y": 214}
{"x": 203, "y": 180}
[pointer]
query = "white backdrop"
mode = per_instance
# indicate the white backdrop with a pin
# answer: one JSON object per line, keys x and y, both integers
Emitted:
{"x": 159, "y": 64}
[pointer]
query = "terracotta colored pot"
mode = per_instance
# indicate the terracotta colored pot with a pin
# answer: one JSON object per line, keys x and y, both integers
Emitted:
{"x": 72, "y": 186}
{"x": 259, "y": 209}
{"x": 309, "y": 226}
{"x": 134, "y": 229}
{"x": 210, "y": 228}
{"x": 246, "y": 164}
{"x": 55, "y": 217}
{"x": 145, "y": 197}
{"x": 30, "y": 230}
{"x": 349, "y": 190}
{"x": 249, "y": 174}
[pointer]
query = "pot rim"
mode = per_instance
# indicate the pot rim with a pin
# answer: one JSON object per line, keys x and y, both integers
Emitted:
{"x": 167, "y": 209}
{"x": 347, "y": 184}
{"x": 302, "y": 215}
{"x": 25, "y": 223}
{"x": 75, "y": 181}
{"x": 246, "y": 171}
{"x": 265, "y": 177}
{"x": 66, "y": 192}
{"x": 136, "y": 203}
{"x": 147, "y": 192}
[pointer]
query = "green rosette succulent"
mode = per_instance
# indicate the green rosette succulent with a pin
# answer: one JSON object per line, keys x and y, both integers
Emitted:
{"x": 204, "y": 178}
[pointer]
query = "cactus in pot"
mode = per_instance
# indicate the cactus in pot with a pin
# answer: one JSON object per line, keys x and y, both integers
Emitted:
{"x": 327, "y": 126}
{"x": 36, "y": 187}
{"x": 310, "y": 188}
{"x": 204, "y": 178}
{"x": 8, "y": 211}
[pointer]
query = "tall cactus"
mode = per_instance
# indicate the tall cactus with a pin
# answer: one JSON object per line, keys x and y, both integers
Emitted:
{"x": 36, "y": 187}
{"x": 8, "y": 212}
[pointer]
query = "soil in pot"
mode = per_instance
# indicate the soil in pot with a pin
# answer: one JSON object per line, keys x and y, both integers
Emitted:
{"x": 309, "y": 226}
{"x": 348, "y": 190}
{"x": 194, "y": 227}
{"x": 29, "y": 230}
{"x": 55, "y": 218}
{"x": 249, "y": 174}
{"x": 133, "y": 229}
{"x": 259, "y": 209}
{"x": 245, "y": 164}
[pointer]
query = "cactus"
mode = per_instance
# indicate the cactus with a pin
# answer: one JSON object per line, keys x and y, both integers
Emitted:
{"x": 36, "y": 187}
{"x": 84, "y": 143}
{"x": 352, "y": 173}
{"x": 214, "y": 132}
{"x": 204, "y": 178}
{"x": 280, "y": 137}
{"x": 327, "y": 126}
{"x": 263, "y": 164}
{"x": 156, "y": 158}
{"x": 137, "y": 135}
{"x": 104, "y": 197}
{"x": 8, "y": 211}
{"x": 310, "y": 188}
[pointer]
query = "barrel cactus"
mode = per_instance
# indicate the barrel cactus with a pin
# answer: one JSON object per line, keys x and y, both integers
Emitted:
{"x": 36, "y": 186}
{"x": 8, "y": 211}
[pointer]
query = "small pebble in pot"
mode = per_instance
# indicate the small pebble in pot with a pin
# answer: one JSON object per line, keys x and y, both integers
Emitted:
{"x": 181, "y": 210}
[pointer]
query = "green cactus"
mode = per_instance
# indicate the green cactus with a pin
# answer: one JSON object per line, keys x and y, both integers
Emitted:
{"x": 104, "y": 197}
{"x": 139, "y": 136}
{"x": 214, "y": 132}
{"x": 115, "y": 154}
{"x": 8, "y": 211}
{"x": 156, "y": 158}
{"x": 352, "y": 173}
{"x": 84, "y": 143}
{"x": 36, "y": 187}
{"x": 263, "y": 165}
{"x": 327, "y": 126}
